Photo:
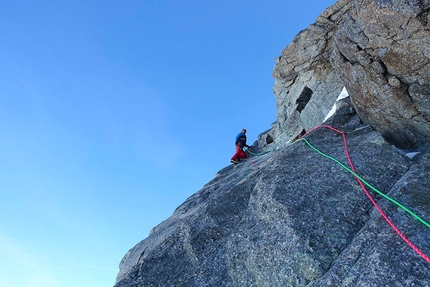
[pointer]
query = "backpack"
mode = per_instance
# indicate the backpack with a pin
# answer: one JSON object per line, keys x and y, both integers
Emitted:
{"x": 241, "y": 141}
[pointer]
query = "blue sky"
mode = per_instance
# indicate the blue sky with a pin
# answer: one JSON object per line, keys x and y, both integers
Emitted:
{"x": 112, "y": 113}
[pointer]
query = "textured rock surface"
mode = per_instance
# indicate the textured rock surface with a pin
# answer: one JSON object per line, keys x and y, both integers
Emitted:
{"x": 379, "y": 50}
{"x": 291, "y": 217}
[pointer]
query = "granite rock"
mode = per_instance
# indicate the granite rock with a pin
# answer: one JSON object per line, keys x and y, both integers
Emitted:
{"x": 293, "y": 213}
{"x": 379, "y": 51}
{"x": 292, "y": 217}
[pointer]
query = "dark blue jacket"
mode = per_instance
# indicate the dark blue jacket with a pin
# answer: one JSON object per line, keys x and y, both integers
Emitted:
{"x": 241, "y": 140}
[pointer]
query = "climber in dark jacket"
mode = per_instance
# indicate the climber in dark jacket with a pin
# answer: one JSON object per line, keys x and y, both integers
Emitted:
{"x": 240, "y": 144}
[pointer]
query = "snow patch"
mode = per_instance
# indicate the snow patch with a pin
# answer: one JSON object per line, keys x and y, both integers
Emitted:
{"x": 412, "y": 154}
{"x": 342, "y": 95}
{"x": 408, "y": 153}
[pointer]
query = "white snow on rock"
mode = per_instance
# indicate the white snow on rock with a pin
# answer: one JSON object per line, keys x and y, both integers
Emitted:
{"x": 342, "y": 95}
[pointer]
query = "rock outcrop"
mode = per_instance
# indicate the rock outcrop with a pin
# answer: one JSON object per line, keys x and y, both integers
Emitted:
{"x": 379, "y": 50}
{"x": 294, "y": 214}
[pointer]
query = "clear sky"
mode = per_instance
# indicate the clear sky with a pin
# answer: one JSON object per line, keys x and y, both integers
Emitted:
{"x": 112, "y": 113}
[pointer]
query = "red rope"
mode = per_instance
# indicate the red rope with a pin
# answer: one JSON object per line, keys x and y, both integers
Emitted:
{"x": 415, "y": 248}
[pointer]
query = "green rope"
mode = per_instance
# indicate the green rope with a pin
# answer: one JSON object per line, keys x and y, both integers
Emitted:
{"x": 367, "y": 184}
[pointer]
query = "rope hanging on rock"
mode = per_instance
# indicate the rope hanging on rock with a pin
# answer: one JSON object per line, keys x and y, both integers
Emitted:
{"x": 362, "y": 183}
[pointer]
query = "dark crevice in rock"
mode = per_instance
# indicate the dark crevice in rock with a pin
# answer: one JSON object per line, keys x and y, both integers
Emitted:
{"x": 141, "y": 255}
{"x": 269, "y": 139}
{"x": 302, "y": 133}
{"x": 304, "y": 98}
{"x": 345, "y": 59}
{"x": 423, "y": 17}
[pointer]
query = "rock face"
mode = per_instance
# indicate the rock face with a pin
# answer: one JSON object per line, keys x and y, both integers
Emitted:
{"x": 293, "y": 217}
{"x": 379, "y": 50}
{"x": 294, "y": 214}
